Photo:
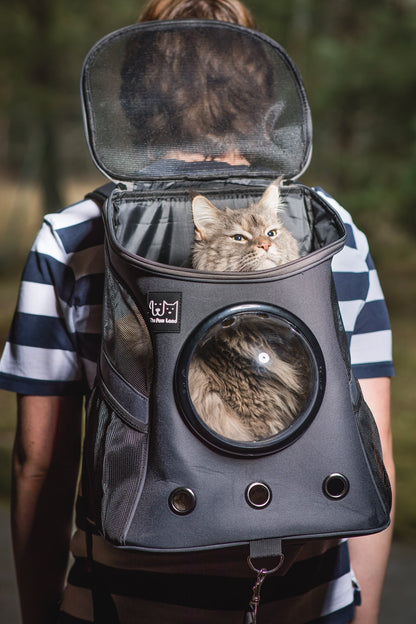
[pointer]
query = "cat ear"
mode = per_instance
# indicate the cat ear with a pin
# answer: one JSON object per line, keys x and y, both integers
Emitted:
{"x": 271, "y": 196}
{"x": 205, "y": 215}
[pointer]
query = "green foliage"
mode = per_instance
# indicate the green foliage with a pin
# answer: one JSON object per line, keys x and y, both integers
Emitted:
{"x": 42, "y": 47}
{"x": 367, "y": 86}
{"x": 358, "y": 64}
{"x": 359, "y": 69}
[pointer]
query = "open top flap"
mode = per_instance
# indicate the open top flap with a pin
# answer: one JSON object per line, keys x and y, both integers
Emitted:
{"x": 193, "y": 90}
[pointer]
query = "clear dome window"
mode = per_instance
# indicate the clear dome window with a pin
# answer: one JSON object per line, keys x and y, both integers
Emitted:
{"x": 250, "y": 379}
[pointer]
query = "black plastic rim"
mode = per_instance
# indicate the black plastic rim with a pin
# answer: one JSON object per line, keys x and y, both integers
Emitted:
{"x": 278, "y": 441}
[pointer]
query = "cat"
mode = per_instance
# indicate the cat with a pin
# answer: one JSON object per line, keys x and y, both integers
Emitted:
{"x": 250, "y": 379}
{"x": 247, "y": 239}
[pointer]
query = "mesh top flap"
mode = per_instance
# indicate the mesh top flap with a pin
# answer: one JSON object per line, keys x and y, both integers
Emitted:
{"x": 193, "y": 90}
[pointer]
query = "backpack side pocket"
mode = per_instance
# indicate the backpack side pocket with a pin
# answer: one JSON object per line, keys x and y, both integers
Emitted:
{"x": 115, "y": 461}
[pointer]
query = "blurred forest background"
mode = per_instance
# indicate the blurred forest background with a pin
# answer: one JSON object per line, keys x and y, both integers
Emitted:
{"x": 358, "y": 62}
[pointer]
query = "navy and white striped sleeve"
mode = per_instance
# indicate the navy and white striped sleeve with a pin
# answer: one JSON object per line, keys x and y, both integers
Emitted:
{"x": 53, "y": 341}
{"x": 361, "y": 302}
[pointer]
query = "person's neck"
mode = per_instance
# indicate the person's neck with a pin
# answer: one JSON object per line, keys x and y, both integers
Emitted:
{"x": 232, "y": 158}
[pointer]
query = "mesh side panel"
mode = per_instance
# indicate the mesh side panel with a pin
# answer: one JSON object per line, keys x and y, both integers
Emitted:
{"x": 126, "y": 337}
{"x": 93, "y": 456}
{"x": 364, "y": 418}
{"x": 124, "y": 464}
{"x": 339, "y": 325}
{"x": 371, "y": 443}
{"x": 115, "y": 464}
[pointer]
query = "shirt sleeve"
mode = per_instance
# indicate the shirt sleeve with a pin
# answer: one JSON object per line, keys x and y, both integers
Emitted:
{"x": 54, "y": 338}
{"x": 361, "y": 302}
{"x": 40, "y": 356}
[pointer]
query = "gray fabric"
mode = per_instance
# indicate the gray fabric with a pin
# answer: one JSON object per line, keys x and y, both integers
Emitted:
{"x": 158, "y": 225}
{"x": 337, "y": 437}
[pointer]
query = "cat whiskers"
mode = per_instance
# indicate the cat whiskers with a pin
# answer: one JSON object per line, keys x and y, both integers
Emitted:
{"x": 253, "y": 261}
{"x": 248, "y": 263}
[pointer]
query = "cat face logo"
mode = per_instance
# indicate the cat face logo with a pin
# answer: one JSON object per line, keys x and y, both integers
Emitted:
{"x": 164, "y": 311}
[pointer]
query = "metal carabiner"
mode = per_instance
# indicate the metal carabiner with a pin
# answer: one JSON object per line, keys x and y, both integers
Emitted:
{"x": 262, "y": 574}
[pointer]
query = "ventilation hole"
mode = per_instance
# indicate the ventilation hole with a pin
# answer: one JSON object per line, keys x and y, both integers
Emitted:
{"x": 182, "y": 501}
{"x": 336, "y": 486}
{"x": 258, "y": 495}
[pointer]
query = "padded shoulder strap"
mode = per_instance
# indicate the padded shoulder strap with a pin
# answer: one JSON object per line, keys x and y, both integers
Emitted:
{"x": 100, "y": 194}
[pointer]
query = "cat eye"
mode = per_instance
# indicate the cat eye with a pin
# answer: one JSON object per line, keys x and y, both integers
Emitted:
{"x": 272, "y": 233}
{"x": 239, "y": 237}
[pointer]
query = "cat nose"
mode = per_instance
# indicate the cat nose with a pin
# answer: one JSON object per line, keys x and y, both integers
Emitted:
{"x": 264, "y": 245}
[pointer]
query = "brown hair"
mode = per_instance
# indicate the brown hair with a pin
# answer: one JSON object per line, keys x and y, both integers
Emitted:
{"x": 192, "y": 89}
{"x": 198, "y": 89}
{"x": 223, "y": 10}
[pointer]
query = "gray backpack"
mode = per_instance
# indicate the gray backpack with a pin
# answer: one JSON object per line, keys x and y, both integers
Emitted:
{"x": 156, "y": 477}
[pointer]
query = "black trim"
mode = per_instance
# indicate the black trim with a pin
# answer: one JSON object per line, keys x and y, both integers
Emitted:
{"x": 102, "y": 193}
{"x": 277, "y": 442}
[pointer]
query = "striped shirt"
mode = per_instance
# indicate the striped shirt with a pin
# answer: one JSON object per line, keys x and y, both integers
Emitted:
{"x": 52, "y": 349}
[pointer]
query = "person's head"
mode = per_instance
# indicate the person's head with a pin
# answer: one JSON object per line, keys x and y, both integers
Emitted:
{"x": 196, "y": 89}
{"x": 232, "y": 11}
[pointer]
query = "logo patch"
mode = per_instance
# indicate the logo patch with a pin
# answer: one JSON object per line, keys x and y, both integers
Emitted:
{"x": 164, "y": 310}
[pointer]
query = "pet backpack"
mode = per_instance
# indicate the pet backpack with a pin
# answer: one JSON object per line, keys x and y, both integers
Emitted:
{"x": 163, "y": 103}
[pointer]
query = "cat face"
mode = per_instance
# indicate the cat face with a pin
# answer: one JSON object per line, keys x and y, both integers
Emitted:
{"x": 250, "y": 239}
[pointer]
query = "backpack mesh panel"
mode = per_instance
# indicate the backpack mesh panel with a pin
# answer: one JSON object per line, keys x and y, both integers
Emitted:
{"x": 126, "y": 338}
{"x": 115, "y": 461}
{"x": 364, "y": 418}
{"x": 124, "y": 462}
{"x": 339, "y": 325}
{"x": 93, "y": 457}
{"x": 372, "y": 447}
{"x": 154, "y": 90}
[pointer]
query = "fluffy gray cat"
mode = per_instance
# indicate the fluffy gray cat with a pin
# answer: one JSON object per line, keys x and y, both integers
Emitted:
{"x": 250, "y": 379}
{"x": 249, "y": 239}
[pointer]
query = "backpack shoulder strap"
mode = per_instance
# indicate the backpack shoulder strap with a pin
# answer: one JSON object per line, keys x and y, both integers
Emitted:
{"x": 100, "y": 194}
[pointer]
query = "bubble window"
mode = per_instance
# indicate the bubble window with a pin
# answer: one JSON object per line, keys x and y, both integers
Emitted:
{"x": 250, "y": 379}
